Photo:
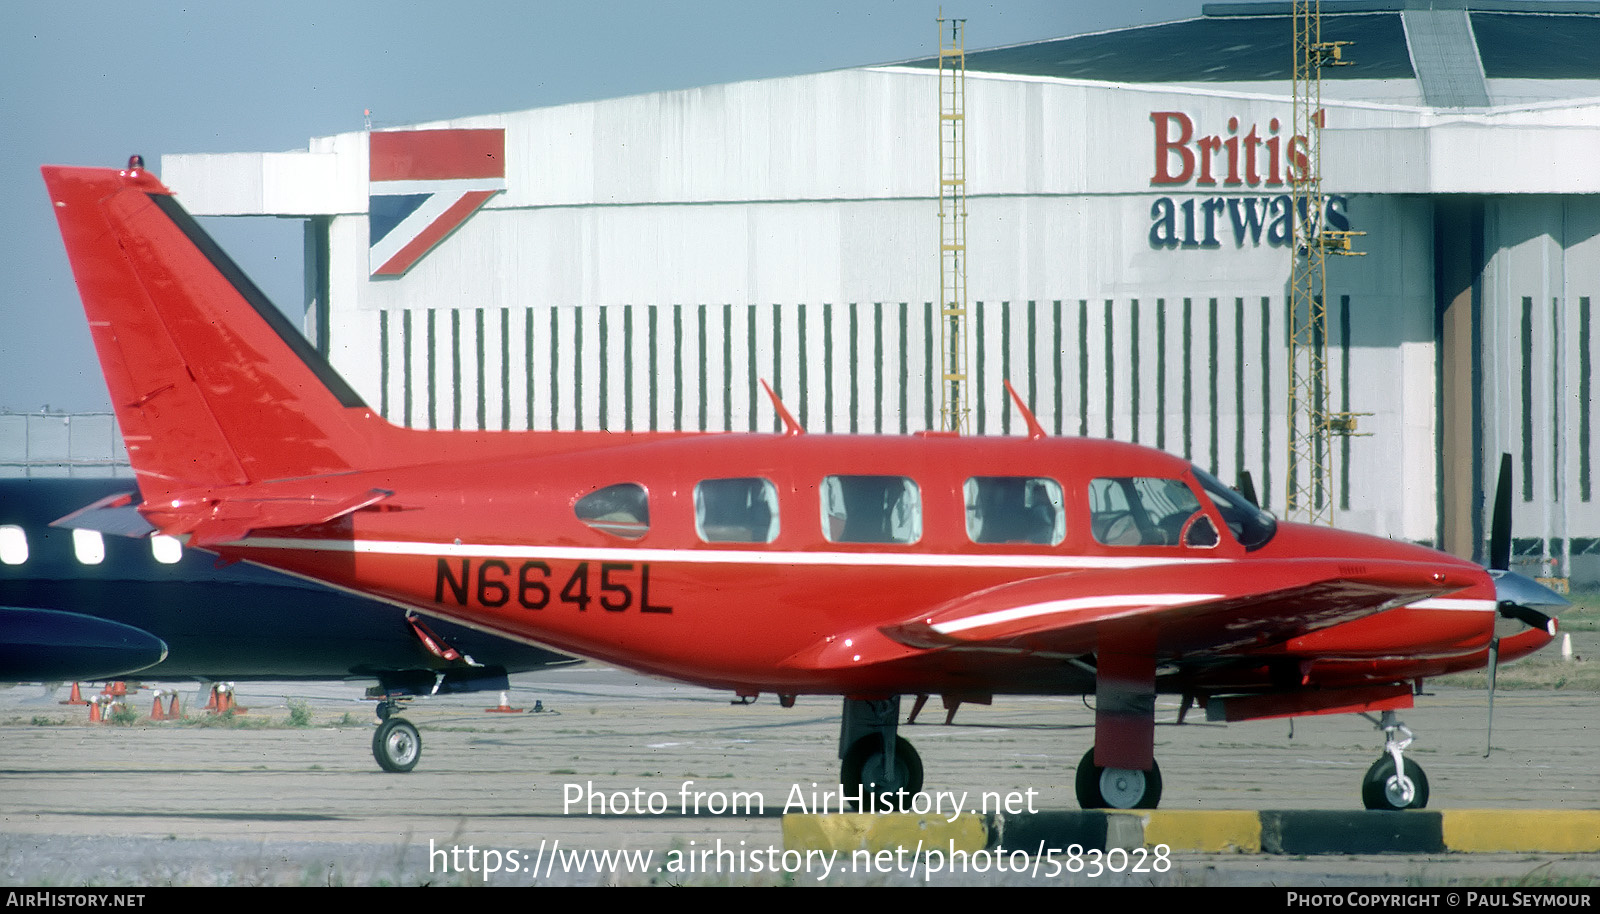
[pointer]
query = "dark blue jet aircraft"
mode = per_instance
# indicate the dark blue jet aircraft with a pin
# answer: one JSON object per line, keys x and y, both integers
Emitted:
{"x": 77, "y": 604}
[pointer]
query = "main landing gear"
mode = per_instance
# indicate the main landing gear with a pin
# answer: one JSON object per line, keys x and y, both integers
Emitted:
{"x": 1394, "y": 782}
{"x": 1117, "y": 788}
{"x": 874, "y": 757}
{"x": 397, "y": 746}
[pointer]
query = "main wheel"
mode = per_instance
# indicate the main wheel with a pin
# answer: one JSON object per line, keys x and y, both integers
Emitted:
{"x": 1380, "y": 789}
{"x": 864, "y": 765}
{"x": 397, "y": 746}
{"x": 1117, "y": 788}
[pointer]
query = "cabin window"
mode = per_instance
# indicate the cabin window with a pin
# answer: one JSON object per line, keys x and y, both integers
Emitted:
{"x": 89, "y": 547}
{"x": 1147, "y": 511}
{"x": 166, "y": 549}
{"x": 621, "y": 510}
{"x": 1014, "y": 509}
{"x": 871, "y": 509}
{"x": 13, "y": 544}
{"x": 743, "y": 510}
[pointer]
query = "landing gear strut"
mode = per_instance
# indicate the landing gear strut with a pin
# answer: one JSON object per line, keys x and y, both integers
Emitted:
{"x": 874, "y": 758}
{"x": 1394, "y": 782}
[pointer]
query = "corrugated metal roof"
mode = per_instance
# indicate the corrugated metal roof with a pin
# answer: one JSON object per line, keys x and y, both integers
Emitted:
{"x": 1209, "y": 49}
{"x": 1538, "y": 46}
{"x": 1455, "y": 43}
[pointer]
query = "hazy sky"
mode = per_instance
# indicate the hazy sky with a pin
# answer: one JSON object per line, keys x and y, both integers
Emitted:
{"x": 89, "y": 82}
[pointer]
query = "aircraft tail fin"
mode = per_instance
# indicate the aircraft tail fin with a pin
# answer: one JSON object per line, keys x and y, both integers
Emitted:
{"x": 211, "y": 384}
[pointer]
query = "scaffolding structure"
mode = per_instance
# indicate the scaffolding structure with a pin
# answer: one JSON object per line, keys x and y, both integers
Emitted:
{"x": 1311, "y": 424}
{"x": 953, "y": 223}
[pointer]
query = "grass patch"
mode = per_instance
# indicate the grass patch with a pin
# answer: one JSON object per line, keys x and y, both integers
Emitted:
{"x": 1534, "y": 673}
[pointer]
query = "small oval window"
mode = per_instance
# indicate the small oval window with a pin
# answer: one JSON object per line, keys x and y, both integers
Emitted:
{"x": 166, "y": 549}
{"x": 13, "y": 545}
{"x": 89, "y": 546}
{"x": 621, "y": 510}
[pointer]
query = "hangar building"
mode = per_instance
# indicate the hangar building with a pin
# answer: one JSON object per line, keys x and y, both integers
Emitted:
{"x": 641, "y": 262}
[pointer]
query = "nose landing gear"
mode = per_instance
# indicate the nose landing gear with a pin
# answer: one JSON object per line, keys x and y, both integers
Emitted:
{"x": 1394, "y": 782}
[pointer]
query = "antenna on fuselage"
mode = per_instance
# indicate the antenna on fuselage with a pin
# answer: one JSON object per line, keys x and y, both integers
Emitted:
{"x": 790, "y": 425}
{"x": 1035, "y": 430}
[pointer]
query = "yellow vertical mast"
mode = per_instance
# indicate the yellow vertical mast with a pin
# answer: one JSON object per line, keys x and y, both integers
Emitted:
{"x": 953, "y": 223}
{"x": 1311, "y": 425}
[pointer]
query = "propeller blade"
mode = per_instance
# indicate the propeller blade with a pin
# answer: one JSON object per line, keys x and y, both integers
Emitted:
{"x": 1500, "y": 524}
{"x": 1494, "y": 666}
{"x": 1247, "y": 488}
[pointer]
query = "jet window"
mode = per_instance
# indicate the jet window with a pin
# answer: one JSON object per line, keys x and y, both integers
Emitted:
{"x": 741, "y": 510}
{"x": 871, "y": 509}
{"x": 13, "y": 544}
{"x": 621, "y": 510}
{"x": 166, "y": 549}
{"x": 89, "y": 546}
{"x": 1147, "y": 511}
{"x": 1014, "y": 509}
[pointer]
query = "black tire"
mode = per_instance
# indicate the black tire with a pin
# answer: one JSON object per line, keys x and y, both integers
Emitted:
{"x": 863, "y": 766}
{"x": 397, "y": 746}
{"x": 1380, "y": 789}
{"x": 383, "y": 711}
{"x": 1103, "y": 788}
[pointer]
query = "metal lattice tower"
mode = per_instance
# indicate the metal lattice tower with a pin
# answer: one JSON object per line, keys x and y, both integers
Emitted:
{"x": 953, "y": 223}
{"x": 1311, "y": 425}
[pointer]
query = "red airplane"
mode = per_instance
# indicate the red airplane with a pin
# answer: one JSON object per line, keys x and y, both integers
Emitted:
{"x": 790, "y": 563}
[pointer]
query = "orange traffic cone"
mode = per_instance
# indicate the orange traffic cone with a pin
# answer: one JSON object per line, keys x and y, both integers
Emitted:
{"x": 76, "y": 698}
{"x": 156, "y": 712}
{"x": 504, "y": 707}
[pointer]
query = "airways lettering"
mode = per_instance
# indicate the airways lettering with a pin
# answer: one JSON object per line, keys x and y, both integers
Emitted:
{"x": 616, "y": 586}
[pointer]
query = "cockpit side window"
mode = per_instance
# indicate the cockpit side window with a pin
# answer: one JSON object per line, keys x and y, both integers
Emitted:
{"x": 1148, "y": 511}
{"x": 871, "y": 509}
{"x": 1250, "y": 525}
{"x": 741, "y": 510}
{"x": 1014, "y": 509}
{"x": 621, "y": 510}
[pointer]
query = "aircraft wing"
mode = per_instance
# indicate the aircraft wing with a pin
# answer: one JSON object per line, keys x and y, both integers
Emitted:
{"x": 1184, "y": 610}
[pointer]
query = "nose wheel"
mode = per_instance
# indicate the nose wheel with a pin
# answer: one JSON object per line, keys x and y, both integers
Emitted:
{"x": 1394, "y": 782}
{"x": 397, "y": 746}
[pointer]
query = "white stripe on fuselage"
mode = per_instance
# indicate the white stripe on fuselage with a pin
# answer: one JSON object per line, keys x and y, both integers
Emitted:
{"x": 1455, "y": 604}
{"x": 1060, "y": 606}
{"x": 722, "y": 556}
{"x": 791, "y": 557}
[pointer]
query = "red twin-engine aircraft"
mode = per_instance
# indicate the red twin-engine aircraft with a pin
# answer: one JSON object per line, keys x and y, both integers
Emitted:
{"x": 789, "y": 563}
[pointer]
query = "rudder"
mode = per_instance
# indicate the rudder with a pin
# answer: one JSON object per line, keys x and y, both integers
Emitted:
{"x": 212, "y": 386}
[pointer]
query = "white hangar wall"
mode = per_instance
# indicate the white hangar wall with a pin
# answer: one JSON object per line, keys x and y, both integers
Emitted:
{"x": 652, "y": 258}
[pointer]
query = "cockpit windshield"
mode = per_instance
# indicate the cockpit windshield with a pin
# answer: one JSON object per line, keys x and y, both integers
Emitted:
{"x": 1250, "y": 525}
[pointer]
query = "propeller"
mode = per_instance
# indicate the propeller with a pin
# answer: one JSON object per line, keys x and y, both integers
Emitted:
{"x": 1517, "y": 596}
{"x": 1247, "y": 488}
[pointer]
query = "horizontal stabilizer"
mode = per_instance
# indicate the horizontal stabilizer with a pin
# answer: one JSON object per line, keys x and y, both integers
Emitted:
{"x": 116, "y": 514}
{"x": 235, "y": 517}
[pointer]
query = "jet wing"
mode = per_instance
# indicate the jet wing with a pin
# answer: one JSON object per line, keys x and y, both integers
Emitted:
{"x": 1186, "y": 610}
